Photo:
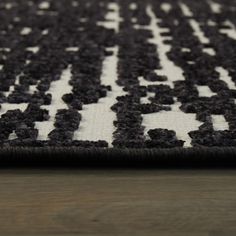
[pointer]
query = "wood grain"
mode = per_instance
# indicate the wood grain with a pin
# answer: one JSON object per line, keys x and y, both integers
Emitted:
{"x": 118, "y": 202}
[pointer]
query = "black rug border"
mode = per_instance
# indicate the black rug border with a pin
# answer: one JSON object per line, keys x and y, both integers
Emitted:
{"x": 115, "y": 157}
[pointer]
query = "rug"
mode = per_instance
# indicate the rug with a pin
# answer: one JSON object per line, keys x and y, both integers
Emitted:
{"x": 150, "y": 78}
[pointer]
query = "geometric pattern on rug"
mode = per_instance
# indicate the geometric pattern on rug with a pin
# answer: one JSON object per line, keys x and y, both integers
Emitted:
{"x": 103, "y": 73}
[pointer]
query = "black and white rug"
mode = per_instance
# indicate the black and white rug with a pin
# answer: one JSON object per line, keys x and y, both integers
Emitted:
{"x": 154, "y": 76}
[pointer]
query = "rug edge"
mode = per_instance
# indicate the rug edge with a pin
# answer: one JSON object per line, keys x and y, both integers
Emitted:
{"x": 114, "y": 157}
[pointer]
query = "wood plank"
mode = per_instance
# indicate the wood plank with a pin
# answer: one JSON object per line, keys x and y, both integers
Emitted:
{"x": 118, "y": 202}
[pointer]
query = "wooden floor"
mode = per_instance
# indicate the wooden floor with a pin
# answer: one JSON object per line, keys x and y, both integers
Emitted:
{"x": 118, "y": 202}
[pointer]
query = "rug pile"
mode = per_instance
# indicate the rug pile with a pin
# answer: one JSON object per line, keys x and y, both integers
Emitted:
{"x": 118, "y": 74}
